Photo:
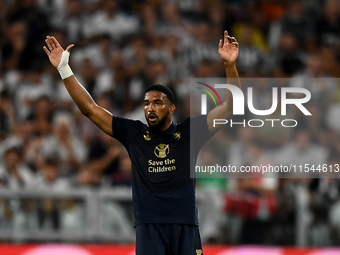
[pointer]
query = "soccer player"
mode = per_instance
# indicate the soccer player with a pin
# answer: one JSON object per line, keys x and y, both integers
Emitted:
{"x": 163, "y": 192}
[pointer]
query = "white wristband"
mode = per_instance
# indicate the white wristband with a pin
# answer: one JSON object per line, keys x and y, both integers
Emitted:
{"x": 65, "y": 72}
{"x": 63, "y": 67}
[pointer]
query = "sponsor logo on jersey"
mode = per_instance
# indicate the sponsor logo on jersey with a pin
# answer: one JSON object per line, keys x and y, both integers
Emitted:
{"x": 162, "y": 150}
{"x": 177, "y": 135}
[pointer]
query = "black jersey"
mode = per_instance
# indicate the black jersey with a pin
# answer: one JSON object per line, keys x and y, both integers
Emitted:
{"x": 163, "y": 191}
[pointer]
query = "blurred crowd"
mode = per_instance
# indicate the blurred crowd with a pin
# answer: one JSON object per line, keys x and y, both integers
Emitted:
{"x": 122, "y": 47}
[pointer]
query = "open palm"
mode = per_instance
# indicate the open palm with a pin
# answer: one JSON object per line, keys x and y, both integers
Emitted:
{"x": 228, "y": 49}
{"x": 54, "y": 51}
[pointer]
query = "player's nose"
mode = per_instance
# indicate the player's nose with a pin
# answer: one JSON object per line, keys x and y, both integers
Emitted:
{"x": 152, "y": 108}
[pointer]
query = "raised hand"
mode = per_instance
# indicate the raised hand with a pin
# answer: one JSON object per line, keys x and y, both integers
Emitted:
{"x": 228, "y": 49}
{"x": 54, "y": 51}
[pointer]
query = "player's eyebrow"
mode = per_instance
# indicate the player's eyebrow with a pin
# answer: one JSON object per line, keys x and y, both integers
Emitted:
{"x": 153, "y": 100}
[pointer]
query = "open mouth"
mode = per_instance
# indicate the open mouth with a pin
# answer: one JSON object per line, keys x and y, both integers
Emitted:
{"x": 152, "y": 117}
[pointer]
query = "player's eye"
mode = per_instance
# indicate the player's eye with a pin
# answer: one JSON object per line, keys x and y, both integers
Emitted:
{"x": 146, "y": 104}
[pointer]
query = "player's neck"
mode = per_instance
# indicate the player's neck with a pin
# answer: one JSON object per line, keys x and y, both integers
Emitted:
{"x": 165, "y": 127}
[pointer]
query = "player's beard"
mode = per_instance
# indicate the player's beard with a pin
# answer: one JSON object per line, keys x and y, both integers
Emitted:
{"x": 160, "y": 123}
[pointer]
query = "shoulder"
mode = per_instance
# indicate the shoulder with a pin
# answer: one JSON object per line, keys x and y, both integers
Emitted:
{"x": 122, "y": 128}
{"x": 184, "y": 124}
{"x": 186, "y": 121}
{"x": 126, "y": 121}
{"x": 197, "y": 120}
{"x": 198, "y": 123}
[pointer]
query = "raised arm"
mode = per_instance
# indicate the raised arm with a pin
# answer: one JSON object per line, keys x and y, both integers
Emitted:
{"x": 59, "y": 59}
{"x": 228, "y": 50}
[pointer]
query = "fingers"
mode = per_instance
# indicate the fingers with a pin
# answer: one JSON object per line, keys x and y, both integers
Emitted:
{"x": 69, "y": 47}
{"x": 46, "y": 50}
{"x": 232, "y": 39}
{"x": 225, "y": 34}
{"x": 229, "y": 39}
{"x": 55, "y": 42}
{"x": 220, "y": 45}
{"x": 49, "y": 43}
{"x": 235, "y": 43}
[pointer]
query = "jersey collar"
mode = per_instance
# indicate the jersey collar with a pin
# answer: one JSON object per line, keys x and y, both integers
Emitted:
{"x": 170, "y": 131}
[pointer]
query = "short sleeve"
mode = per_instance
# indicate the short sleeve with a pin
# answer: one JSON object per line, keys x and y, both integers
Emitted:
{"x": 122, "y": 129}
{"x": 199, "y": 131}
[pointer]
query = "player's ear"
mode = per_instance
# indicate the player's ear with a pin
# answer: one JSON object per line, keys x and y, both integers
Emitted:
{"x": 172, "y": 108}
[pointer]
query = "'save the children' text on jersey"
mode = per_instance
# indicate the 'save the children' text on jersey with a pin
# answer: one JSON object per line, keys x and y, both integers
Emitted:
{"x": 163, "y": 191}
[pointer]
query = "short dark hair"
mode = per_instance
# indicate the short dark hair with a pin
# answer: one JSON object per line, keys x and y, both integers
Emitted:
{"x": 163, "y": 89}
